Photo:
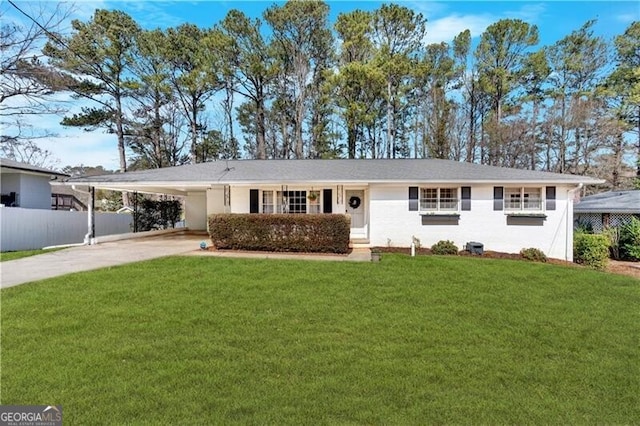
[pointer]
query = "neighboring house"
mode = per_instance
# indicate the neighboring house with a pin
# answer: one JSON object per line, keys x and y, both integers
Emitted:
{"x": 64, "y": 197}
{"x": 26, "y": 186}
{"x": 389, "y": 201}
{"x": 607, "y": 209}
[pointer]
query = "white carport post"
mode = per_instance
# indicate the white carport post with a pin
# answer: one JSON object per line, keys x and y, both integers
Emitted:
{"x": 89, "y": 238}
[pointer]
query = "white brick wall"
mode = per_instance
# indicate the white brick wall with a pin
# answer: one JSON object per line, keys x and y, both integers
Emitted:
{"x": 391, "y": 221}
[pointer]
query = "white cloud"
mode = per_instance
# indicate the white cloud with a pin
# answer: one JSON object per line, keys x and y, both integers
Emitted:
{"x": 148, "y": 14}
{"x": 627, "y": 18}
{"x": 529, "y": 12}
{"x": 427, "y": 8}
{"x": 84, "y": 10}
{"x": 445, "y": 29}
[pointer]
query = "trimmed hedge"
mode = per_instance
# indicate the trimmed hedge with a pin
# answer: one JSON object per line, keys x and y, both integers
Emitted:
{"x": 322, "y": 233}
{"x": 591, "y": 250}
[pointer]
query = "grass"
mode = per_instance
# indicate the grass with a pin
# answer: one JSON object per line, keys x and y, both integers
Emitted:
{"x": 13, "y": 255}
{"x": 405, "y": 341}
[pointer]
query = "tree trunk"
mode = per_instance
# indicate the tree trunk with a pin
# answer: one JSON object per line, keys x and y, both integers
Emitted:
{"x": 562, "y": 155}
{"x": 390, "y": 141}
{"x": 157, "y": 129}
{"x": 121, "y": 151}
{"x": 471, "y": 144}
{"x": 638, "y": 159}
{"x": 352, "y": 136}
{"x": 194, "y": 130}
{"x": 285, "y": 137}
{"x": 228, "y": 110}
{"x": 617, "y": 161}
{"x": 260, "y": 127}
{"x": 534, "y": 135}
{"x": 298, "y": 128}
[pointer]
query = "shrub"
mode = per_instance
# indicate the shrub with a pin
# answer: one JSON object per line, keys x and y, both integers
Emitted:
{"x": 156, "y": 214}
{"x": 583, "y": 226}
{"x": 325, "y": 233}
{"x": 630, "y": 239}
{"x": 613, "y": 234}
{"x": 533, "y": 254}
{"x": 444, "y": 247}
{"x": 591, "y": 250}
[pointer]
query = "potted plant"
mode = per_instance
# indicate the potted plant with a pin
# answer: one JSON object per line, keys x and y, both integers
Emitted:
{"x": 313, "y": 195}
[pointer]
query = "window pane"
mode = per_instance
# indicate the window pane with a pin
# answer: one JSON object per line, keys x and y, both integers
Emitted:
{"x": 448, "y": 199}
{"x": 512, "y": 199}
{"x": 428, "y": 198}
{"x": 297, "y": 201}
{"x": 313, "y": 201}
{"x": 281, "y": 203}
{"x": 532, "y": 199}
{"x": 267, "y": 201}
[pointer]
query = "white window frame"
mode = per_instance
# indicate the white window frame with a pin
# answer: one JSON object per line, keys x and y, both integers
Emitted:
{"x": 314, "y": 206}
{"x": 525, "y": 199}
{"x": 268, "y": 202}
{"x": 439, "y": 204}
{"x": 275, "y": 201}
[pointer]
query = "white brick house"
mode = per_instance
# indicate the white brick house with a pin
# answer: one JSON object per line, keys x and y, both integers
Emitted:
{"x": 390, "y": 201}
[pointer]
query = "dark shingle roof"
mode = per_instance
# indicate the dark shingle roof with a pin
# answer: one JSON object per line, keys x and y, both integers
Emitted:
{"x": 334, "y": 171}
{"x": 17, "y": 165}
{"x": 610, "y": 202}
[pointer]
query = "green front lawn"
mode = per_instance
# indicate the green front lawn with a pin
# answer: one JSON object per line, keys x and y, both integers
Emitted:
{"x": 192, "y": 340}
{"x": 13, "y": 255}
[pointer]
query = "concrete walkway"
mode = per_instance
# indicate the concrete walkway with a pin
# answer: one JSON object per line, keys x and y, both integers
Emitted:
{"x": 86, "y": 258}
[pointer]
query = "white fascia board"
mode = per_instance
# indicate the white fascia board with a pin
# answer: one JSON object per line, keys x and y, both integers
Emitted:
{"x": 406, "y": 182}
{"x": 605, "y": 211}
{"x": 184, "y": 186}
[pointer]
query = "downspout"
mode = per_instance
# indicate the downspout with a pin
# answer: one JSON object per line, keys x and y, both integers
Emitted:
{"x": 569, "y": 222}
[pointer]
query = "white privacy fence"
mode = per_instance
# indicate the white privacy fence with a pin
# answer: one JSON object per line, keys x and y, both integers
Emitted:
{"x": 27, "y": 229}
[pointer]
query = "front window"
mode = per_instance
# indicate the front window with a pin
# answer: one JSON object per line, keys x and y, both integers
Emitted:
{"x": 313, "y": 200}
{"x": 523, "y": 199}
{"x": 439, "y": 199}
{"x": 292, "y": 201}
{"x": 267, "y": 202}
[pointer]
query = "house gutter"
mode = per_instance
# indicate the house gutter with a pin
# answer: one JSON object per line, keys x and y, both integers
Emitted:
{"x": 89, "y": 237}
{"x": 569, "y": 222}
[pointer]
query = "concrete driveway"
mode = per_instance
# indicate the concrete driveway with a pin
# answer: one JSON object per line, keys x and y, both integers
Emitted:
{"x": 105, "y": 254}
{"x": 86, "y": 258}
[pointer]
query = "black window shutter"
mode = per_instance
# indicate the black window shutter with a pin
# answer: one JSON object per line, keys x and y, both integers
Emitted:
{"x": 466, "y": 198}
{"x": 413, "y": 198}
{"x": 327, "y": 201}
{"x": 254, "y": 201}
{"x": 498, "y": 195}
{"x": 551, "y": 197}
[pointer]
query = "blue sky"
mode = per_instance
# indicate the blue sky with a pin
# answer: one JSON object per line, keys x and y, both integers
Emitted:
{"x": 445, "y": 20}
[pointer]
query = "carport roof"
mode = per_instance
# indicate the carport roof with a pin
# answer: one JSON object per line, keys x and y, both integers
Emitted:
{"x": 246, "y": 172}
{"x": 610, "y": 202}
